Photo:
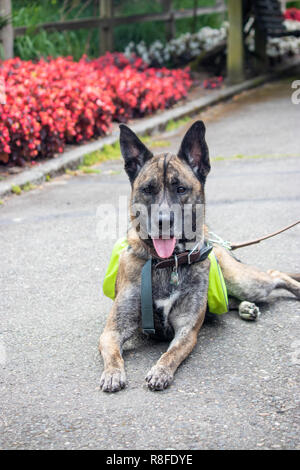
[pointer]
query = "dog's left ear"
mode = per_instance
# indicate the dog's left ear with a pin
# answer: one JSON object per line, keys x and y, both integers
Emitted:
{"x": 134, "y": 152}
{"x": 194, "y": 150}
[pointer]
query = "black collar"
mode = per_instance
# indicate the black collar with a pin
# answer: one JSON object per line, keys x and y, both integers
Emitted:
{"x": 187, "y": 257}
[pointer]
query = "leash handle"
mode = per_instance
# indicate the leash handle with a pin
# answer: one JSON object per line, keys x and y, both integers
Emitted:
{"x": 234, "y": 246}
{"x": 146, "y": 298}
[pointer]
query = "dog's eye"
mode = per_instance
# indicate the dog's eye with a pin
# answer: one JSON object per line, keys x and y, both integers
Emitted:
{"x": 181, "y": 190}
{"x": 148, "y": 189}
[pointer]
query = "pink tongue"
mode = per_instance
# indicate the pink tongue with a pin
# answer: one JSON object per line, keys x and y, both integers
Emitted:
{"x": 164, "y": 248}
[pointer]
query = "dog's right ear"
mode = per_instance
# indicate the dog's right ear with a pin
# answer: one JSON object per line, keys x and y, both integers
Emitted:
{"x": 194, "y": 150}
{"x": 134, "y": 152}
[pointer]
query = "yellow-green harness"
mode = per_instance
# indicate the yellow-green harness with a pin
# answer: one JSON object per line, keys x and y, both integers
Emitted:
{"x": 217, "y": 298}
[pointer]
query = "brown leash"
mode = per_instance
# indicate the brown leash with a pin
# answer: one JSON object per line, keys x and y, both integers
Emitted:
{"x": 234, "y": 246}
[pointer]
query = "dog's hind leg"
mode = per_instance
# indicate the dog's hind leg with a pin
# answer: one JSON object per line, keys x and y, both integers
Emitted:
{"x": 250, "y": 285}
{"x": 284, "y": 281}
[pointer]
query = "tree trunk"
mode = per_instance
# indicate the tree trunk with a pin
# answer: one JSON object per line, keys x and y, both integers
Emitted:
{"x": 106, "y": 33}
{"x": 235, "y": 46}
{"x": 7, "y": 32}
{"x": 170, "y": 25}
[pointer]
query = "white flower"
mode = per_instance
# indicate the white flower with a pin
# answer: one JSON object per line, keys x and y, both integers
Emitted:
{"x": 191, "y": 45}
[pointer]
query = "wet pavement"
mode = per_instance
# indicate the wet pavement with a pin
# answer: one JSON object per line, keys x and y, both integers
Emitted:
{"x": 239, "y": 388}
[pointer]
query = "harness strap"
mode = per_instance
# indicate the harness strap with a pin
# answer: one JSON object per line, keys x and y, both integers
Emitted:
{"x": 146, "y": 298}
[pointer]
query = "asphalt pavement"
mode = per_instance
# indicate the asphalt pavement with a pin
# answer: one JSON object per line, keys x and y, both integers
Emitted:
{"x": 239, "y": 389}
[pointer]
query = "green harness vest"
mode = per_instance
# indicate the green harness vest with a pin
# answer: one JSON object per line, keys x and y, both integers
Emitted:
{"x": 217, "y": 298}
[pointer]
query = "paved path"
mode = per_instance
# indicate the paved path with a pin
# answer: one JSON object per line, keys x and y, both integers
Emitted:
{"x": 238, "y": 389}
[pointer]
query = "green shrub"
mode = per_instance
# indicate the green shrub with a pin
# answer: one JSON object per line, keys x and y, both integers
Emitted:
{"x": 28, "y": 187}
{"x": 16, "y": 190}
{"x": 88, "y": 170}
{"x": 173, "y": 125}
{"x": 108, "y": 152}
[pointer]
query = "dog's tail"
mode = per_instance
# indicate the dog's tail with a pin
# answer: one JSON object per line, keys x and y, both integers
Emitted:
{"x": 295, "y": 276}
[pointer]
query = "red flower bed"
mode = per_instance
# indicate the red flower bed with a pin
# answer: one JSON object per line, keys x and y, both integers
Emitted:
{"x": 51, "y": 103}
{"x": 292, "y": 14}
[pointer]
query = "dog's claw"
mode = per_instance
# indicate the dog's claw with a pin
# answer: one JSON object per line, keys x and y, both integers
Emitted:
{"x": 112, "y": 381}
{"x": 158, "y": 378}
{"x": 248, "y": 311}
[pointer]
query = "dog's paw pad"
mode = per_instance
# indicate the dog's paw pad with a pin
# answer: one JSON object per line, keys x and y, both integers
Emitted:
{"x": 112, "y": 380}
{"x": 248, "y": 311}
{"x": 158, "y": 378}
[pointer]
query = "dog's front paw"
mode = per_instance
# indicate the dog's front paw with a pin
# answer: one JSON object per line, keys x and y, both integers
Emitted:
{"x": 159, "y": 378}
{"x": 112, "y": 380}
{"x": 248, "y": 311}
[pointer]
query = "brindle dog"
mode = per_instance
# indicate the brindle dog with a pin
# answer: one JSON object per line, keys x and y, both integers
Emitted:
{"x": 178, "y": 311}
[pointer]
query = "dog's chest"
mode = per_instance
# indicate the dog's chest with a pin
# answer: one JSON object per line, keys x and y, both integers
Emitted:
{"x": 165, "y": 298}
{"x": 164, "y": 306}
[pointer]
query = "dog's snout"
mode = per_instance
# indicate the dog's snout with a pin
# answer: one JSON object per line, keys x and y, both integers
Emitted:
{"x": 166, "y": 224}
{"x": 166, "y": 218}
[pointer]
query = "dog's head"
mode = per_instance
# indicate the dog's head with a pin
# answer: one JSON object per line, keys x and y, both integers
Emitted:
{"x": 167, "y": 202}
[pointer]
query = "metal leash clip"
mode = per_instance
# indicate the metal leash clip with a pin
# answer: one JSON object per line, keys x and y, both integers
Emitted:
{"x": 214, "y": 238}
{"x": 191, "y": 252}
{"x": 174, "y": 276}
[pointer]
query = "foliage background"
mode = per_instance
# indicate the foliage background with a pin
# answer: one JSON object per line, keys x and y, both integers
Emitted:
{"x": 76, "y": 43}
{"x": 34, "y": 45}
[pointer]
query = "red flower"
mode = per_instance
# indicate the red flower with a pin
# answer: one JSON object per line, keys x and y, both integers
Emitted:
{"x": 292, "y": 14}
{"x": 58, "y": 101}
